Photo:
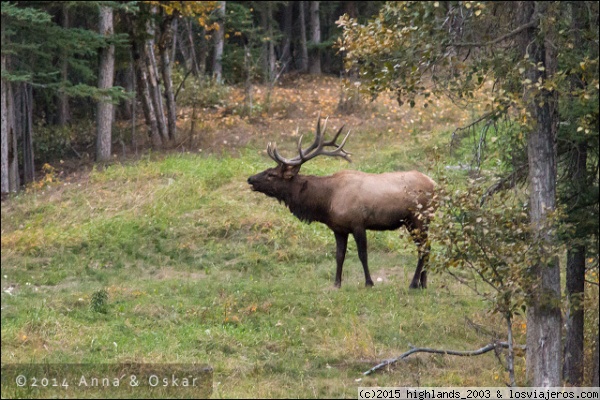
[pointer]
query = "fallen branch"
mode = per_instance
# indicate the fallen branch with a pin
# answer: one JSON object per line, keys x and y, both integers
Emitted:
{"x": 414, "y": 350}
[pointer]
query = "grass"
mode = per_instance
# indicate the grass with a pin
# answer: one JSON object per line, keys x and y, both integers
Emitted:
{"x": 172, "y": 259}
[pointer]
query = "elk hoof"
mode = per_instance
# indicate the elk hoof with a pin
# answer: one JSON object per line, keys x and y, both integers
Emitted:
{"x": 414, "y": 286}
{"x": 369, "y": 283}
{"x": 337, "y": 285}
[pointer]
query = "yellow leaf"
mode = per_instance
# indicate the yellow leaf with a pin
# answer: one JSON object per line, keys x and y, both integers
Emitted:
{"x": 477, "y": 13}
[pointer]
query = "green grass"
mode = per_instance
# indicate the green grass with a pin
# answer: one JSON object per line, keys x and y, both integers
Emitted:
{"x": 199, "y": 269}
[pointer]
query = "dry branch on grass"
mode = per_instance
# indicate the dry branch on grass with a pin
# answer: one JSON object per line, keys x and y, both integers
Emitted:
{"x": 413, "y": 350}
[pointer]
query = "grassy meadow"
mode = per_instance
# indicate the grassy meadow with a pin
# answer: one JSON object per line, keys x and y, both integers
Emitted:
{"x": 171, "y": 258}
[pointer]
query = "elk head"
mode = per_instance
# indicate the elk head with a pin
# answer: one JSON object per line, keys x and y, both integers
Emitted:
{"x": 274, "y": 181}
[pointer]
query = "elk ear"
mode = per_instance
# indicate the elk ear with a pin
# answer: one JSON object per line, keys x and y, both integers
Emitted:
{"x": 290, "y": 171}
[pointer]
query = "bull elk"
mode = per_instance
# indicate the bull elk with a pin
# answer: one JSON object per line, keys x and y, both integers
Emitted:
{"x": 350, "y": 202}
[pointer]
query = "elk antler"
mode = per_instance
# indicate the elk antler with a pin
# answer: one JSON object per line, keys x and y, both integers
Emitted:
{"x": 315, "y": 149}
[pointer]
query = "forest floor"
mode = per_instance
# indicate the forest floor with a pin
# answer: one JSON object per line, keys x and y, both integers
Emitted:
{"x": 197, "y": 268}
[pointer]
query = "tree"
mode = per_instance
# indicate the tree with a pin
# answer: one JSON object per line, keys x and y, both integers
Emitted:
{"x": 4, "y": 185}
{"x": 578, "y": 192}
{"x": 286, "y": 45}
{"x": 453, "y": 49}
{"x": 303, "y": 43}
{"x": 268, "y": 47}
{"x": 165, "y": 44}
{"x": 219, "y": 43}
{"x": 105, "y": 81}
{"x": 536, "y": 44}
{"x": 63, "y": 99}
{"x": 314, "y": 59}
{"x": 150, "y": 22}
{"x": 138, "y": 50}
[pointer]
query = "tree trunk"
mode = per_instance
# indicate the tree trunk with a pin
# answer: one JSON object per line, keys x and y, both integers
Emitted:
{"x": 350, "y": 100}
{"x": 63, "y": 99}
{"x": 165, "y": 45}
{"x": 148, "y": 106}
{"x": 315, "y": 38}
{"x": 268, "y": 49}
{"x": 219, "y": 43}
{"x": 303, "y": 45}
{"x": 154, "y": 81}
{"x": 202, "y": 52}
{"x": 543, "y": 354}
{"x": 173, "y": 49}
{"x": 286, "y": 44}
{"x": 144, "y": 91}
{"x": 248, "y": 99}
{"x": 4, "y": 135}
{"x": 510, "y": 357}
{"x": 573, "y": 368}
{"x": 596, "y": 368}
{"x": 13, "y": 134}
{"x": 105, "y": 81}
{"x": 26, "y": 124}
{"x": 186, "y": 52}
{"x": 133, "y": 101}
{"x": 128, "y": 78}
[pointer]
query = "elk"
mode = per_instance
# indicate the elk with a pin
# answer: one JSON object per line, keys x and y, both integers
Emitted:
{"x": 351, "y": 202}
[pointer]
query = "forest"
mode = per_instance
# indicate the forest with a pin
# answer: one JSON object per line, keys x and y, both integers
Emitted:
{"x": 130, "y": 233}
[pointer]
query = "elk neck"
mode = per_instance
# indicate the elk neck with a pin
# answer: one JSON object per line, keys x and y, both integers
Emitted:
{"x": 309, "y": 198}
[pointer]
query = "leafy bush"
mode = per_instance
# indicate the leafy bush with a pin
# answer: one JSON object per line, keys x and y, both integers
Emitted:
{"x": 99, "y": 301}
{"x": 199, "y": 91}
{"x": 54, "y": 142}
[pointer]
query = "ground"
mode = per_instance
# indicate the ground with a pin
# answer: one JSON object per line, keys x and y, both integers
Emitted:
{"x": 199, "y": 269}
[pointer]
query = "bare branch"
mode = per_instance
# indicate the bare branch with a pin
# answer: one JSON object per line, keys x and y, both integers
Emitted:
{"x": 414, "y": 350}
{"x": 530, "y": 24}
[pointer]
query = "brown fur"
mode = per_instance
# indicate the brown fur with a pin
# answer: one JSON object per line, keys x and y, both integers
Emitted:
{"x": 351, "y": 202}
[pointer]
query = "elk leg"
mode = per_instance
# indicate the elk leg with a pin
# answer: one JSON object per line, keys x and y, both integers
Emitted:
{"x": 341, "y": 241}
{"x": 423, "y": 258}
{"x": 360, "y": 236}
{"x": 420, "y": 278}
